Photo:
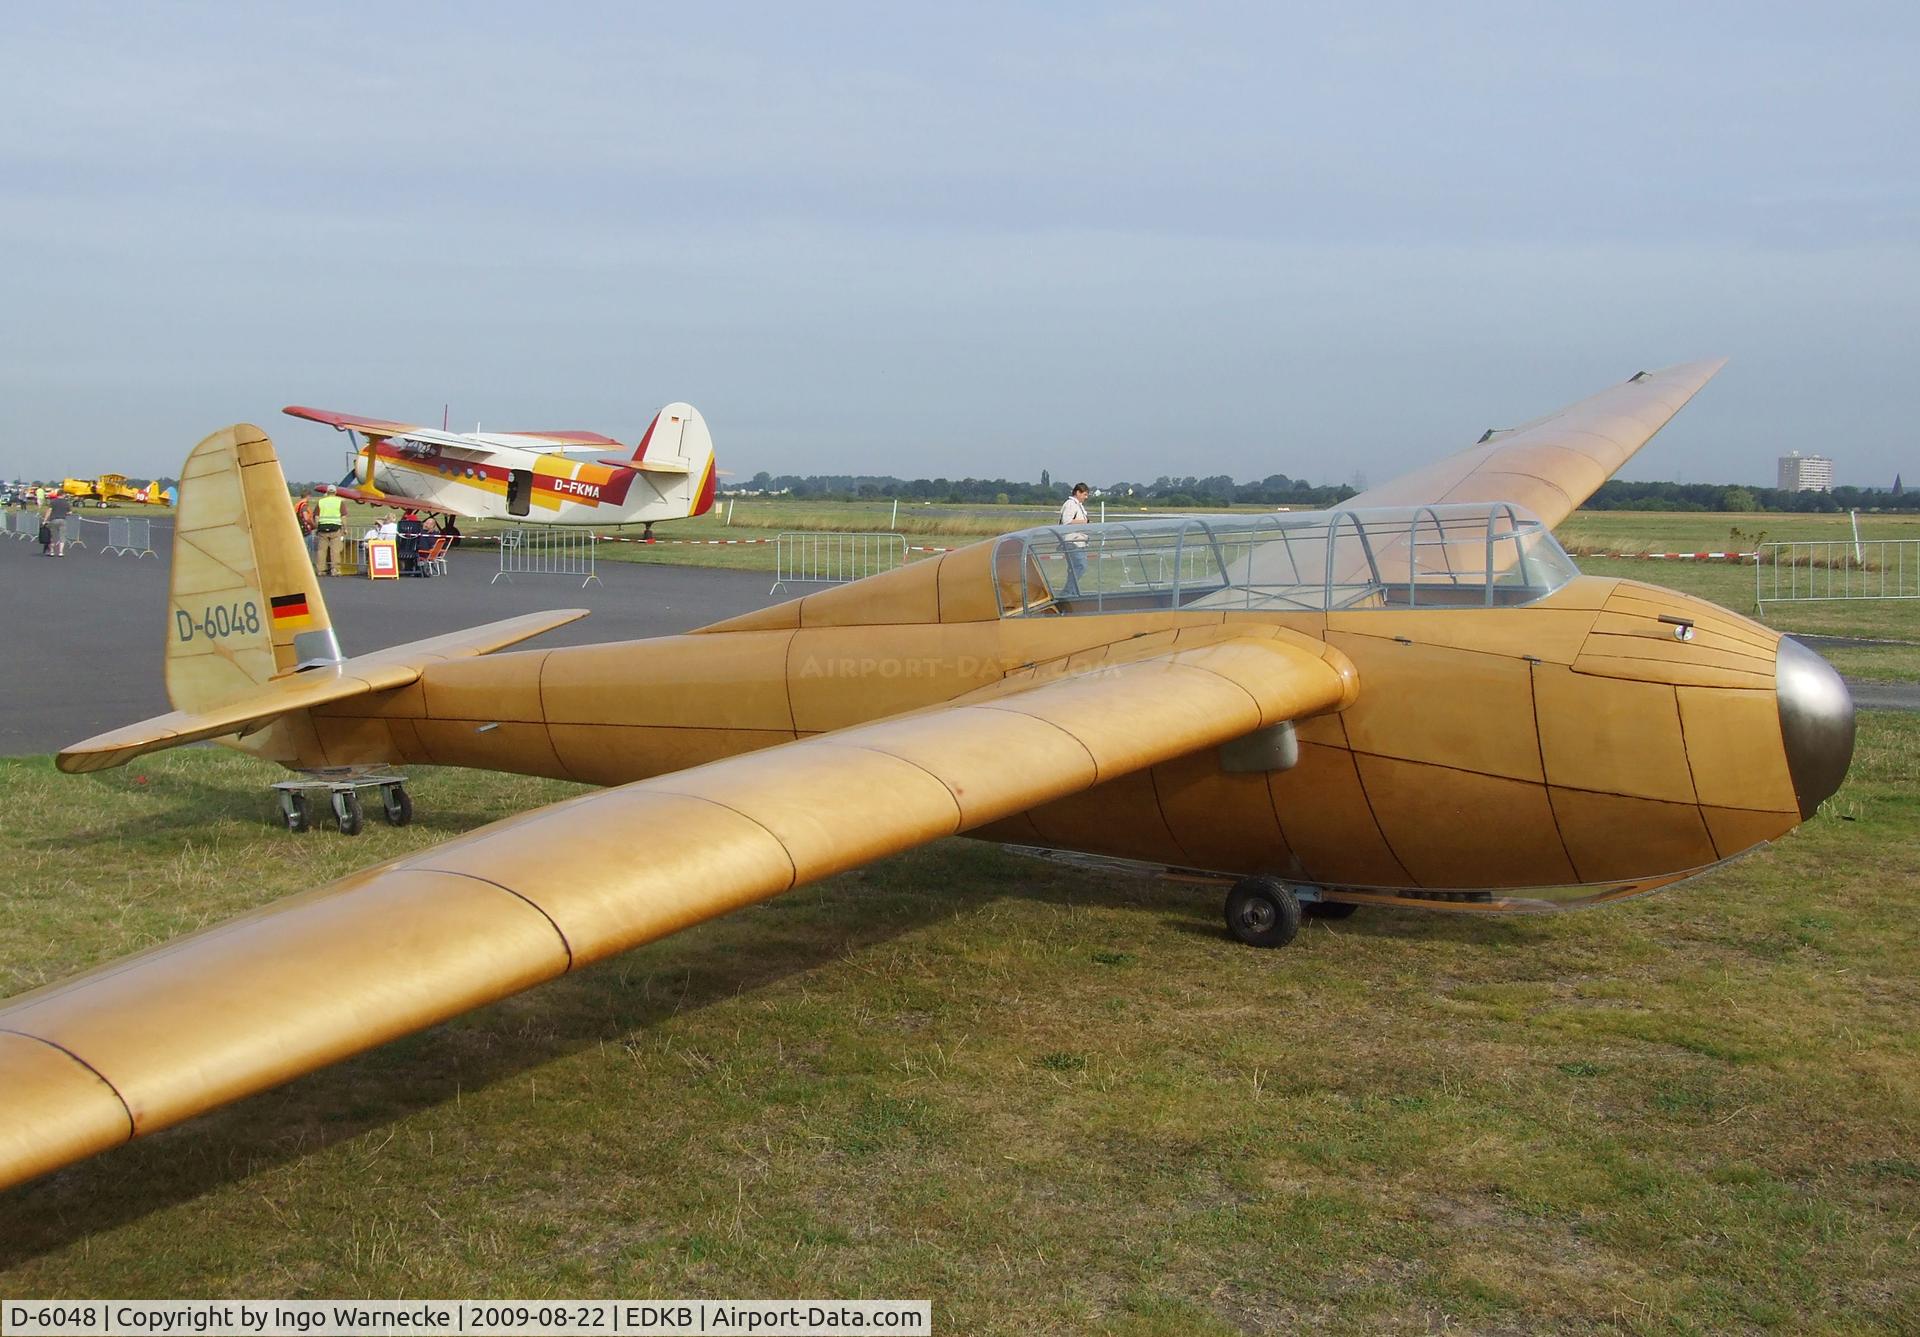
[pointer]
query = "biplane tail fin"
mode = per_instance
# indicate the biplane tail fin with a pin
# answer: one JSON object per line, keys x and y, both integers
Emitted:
{"x": 244, "y": 604}
{"x": 676, "y": 456}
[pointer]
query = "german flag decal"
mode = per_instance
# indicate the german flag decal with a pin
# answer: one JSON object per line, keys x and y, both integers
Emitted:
{"x": 289, "y": 608}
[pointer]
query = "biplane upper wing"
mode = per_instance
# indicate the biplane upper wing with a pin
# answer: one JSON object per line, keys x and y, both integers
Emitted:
{"x": 1552, "y": 464}
{"x": 478, "y": 442}
{"x": 146, "y": 1042}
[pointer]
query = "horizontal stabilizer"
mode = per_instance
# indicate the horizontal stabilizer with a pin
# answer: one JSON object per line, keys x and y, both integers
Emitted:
{"x": 651, "y": 466}
{"x": 381, "y": 671}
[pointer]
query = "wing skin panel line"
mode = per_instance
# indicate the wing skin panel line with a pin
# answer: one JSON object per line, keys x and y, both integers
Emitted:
{"x": 311, "y": 980}
{"x": 92, "y": 1115}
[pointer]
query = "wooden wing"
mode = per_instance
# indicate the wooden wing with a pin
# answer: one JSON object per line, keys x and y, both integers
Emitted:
{"x": 1554, "y": 463}
{"x": 157, "y": 1038}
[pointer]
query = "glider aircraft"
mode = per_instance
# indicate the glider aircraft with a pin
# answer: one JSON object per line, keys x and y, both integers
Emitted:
{"x": 531, "y": 477}
{"x": 1414, "y": 700}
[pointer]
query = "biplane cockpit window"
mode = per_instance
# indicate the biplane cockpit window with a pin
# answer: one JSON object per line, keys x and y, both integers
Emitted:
{"x": 1468, "y": 555}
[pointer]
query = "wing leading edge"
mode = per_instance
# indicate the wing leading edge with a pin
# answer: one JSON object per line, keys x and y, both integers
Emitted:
{"x": 1554, "y": 463}
{"x": 479, "y": 442}
{"x": 146, "y": 1042}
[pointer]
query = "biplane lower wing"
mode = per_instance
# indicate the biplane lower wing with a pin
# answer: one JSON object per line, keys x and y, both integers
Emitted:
{"x": 146, "y": 1042}
{"x": 381, "y": 671}
{"x": 398, "y": 503}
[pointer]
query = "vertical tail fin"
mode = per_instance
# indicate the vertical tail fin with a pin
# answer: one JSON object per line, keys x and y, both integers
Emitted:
{"x": 244, "y": 605}
{"x": 677, "y": 443}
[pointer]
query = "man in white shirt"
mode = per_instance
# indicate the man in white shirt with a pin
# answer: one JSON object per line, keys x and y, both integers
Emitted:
{"x": 1074, "y": 541}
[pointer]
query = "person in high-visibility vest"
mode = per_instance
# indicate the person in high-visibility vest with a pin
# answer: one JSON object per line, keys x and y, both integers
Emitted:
{"x": 303, "y": 512}
{"x": 329, "y": 515}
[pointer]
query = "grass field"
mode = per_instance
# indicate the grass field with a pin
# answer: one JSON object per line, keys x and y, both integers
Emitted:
{"x": 1047, "y": 1099}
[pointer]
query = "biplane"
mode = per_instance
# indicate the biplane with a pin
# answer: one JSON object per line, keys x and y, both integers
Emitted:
{"x": 529, "y": 478}
{"x": 110, "y": 488}
{"x": 1415, "y": 700}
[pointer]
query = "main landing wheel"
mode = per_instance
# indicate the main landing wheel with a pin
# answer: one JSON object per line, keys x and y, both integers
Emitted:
{"x": 347, "y": 814}
{"x": 1263, "y": 912}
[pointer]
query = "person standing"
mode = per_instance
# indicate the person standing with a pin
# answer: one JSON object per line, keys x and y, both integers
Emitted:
{"x": 1074, "y": 541}
{"x": 309, "y": 522}
{"x": 329, "y": 516}
{"x": 55, "y": 519}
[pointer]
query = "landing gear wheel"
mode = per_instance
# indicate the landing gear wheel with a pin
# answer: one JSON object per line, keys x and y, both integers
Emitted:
{"x": 347, "y": 814}
{"x": 296, "y": 814}
{"x": 398, "y": 807}
{"x": 1329, "y": 909}
{"x": 1262, "y": 912}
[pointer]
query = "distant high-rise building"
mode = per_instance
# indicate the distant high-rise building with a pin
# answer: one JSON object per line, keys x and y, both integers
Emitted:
{"x": 1806, "y": 473}
{"x": 1897, "y": 489}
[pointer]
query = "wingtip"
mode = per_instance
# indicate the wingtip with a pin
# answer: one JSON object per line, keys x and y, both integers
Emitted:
{"x": 1699, "y": 371}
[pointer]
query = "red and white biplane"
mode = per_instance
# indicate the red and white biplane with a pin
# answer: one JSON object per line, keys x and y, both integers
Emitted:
{"x": 555, "y": 478}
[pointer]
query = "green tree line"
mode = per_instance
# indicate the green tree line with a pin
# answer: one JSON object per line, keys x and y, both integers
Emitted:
{"x": 1280, "y": 490}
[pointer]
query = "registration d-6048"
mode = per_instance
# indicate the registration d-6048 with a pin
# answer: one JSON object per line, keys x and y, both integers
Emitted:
{"x": 80, "y": 1318}
{"x": 217, "y": 621}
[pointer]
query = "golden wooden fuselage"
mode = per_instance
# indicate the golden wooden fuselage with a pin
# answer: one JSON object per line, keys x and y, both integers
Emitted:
{"x": 1575, "y": 746}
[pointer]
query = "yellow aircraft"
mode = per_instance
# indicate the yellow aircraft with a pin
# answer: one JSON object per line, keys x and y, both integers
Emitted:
{"x": 110, "y": 488}
{"x": 1415, "y": 700}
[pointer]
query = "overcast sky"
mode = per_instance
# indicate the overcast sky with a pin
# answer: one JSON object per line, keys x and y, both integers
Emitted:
{"x": 962, "y": 239}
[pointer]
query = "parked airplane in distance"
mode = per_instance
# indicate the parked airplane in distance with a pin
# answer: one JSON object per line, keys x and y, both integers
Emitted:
{"x": 108, "y": 488}
{"x": 531, "y": 477}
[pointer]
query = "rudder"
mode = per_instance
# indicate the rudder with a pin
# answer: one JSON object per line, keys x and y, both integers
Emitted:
{"x": 678, "y": 445}
{"x": 244, "y": 604}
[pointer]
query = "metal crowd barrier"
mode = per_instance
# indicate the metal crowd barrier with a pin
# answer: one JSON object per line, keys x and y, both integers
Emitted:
{"x": 833, "y": 558}
{"x": 127, "y": 536}
{"x": 547, "y": 551}
{"x": 351, "y": 561}
{"x": 22, "y": 523}
{"x": 1806, "y": 571}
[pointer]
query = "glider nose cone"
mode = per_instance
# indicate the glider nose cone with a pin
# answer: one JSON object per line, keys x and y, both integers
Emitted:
{"x": 1816, "y": 721}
